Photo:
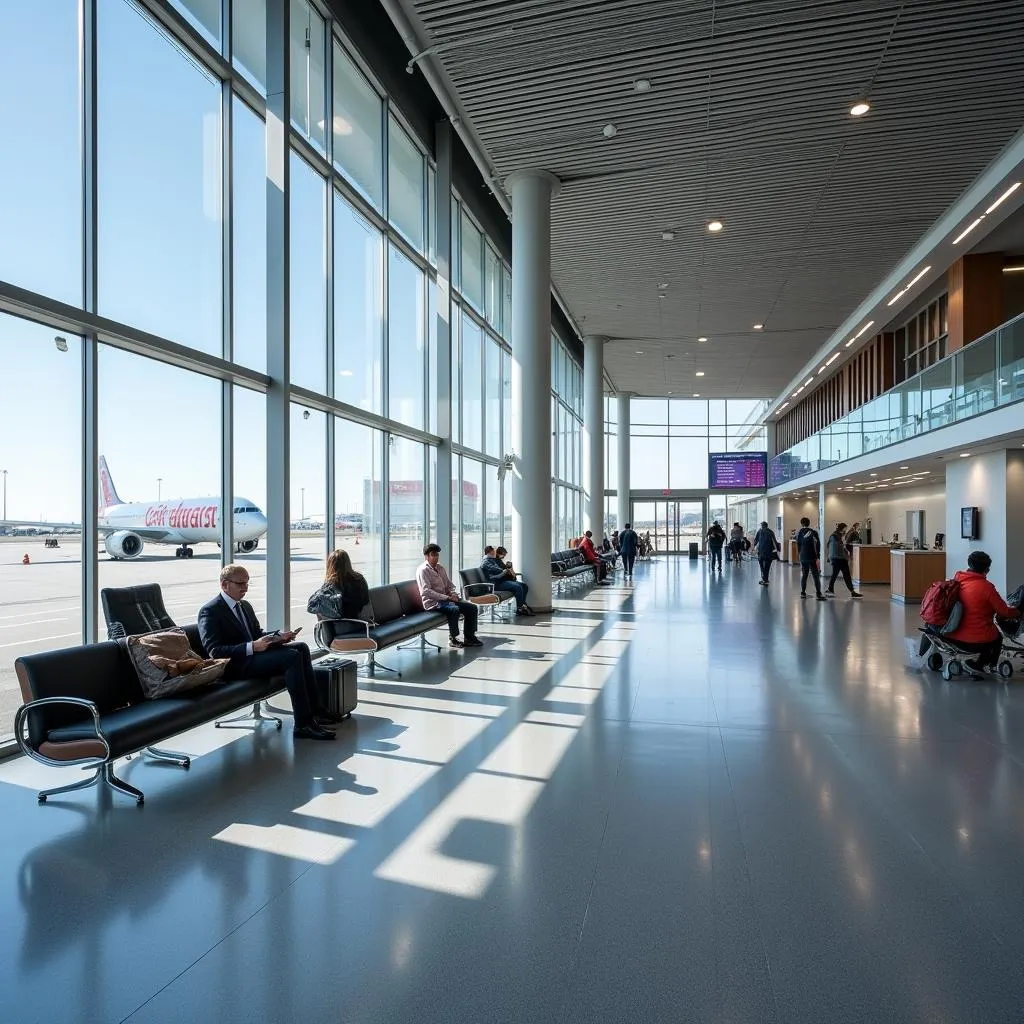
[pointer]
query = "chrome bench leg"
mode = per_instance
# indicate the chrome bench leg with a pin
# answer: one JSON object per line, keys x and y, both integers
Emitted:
{"x": 267, "y": 706}
{"x": 120, "y": 785}
{"x": 373, "y": 664}
{"x": 81, "y": 784}
{"x": 173, "y": 756}
{"x": 411, "y": 644}
{"x": 249, "y": 719}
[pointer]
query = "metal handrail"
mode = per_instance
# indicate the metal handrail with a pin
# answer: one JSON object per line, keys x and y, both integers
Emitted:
{"x": 26, "y": 748}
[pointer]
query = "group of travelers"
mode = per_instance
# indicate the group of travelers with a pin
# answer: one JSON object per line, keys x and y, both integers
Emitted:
{"x": 716, "y": 538}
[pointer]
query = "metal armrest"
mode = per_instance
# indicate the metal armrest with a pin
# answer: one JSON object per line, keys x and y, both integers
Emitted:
{"x": 24, "y": 711}
{"x": 469, "y": 586}
{"x": 318, "y": 635}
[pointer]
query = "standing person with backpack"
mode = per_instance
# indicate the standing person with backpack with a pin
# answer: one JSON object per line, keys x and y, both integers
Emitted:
{"x": 767, "y": 546}
{"x": 979, "y": 602}
{"x": 840, "y": 563}
{"x": 808, "y": 547}
{"x": 716, "y": 541}
{"x": 628, "y": 543}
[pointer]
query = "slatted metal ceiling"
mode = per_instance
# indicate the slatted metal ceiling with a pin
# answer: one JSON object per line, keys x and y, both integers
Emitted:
{"x": 746, "y": 121}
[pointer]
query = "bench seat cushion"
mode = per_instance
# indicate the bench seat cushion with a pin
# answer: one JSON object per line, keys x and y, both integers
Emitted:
{"x": 407, "y": 627}
{"x": 140, "y": 725}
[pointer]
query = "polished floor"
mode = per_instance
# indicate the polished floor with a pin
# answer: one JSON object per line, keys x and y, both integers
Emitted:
{"x": 685, "y": 799}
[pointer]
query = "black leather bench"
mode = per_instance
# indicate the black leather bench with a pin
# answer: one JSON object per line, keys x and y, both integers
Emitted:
{"x": 567, "y": 566}
{"x": 479, "y": 590}
{"x": 84, "y": 707}
{"x": 398, "y": 617}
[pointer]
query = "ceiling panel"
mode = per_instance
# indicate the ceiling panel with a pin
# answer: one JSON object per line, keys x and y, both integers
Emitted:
{"x": 746, "y": 121}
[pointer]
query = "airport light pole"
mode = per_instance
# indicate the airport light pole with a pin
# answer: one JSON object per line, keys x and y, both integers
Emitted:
{"x": 4, "y": 471}
{"x": 159, "y": 481}
{"x": 302, "y": 505}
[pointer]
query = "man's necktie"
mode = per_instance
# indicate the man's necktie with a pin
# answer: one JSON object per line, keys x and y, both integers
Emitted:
{"x": 241, "y": 619}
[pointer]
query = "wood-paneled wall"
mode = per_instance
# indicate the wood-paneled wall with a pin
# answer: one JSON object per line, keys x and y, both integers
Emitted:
{"x": 868, "y": 374}
{"x": 975, "y": 285}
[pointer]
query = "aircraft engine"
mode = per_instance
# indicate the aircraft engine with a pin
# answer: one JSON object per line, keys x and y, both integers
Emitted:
{"x": 123, "y": 544}
{"x": 246, "y": 545}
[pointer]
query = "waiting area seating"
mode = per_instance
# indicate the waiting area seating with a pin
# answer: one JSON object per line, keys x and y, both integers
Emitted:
{"x": 570, "y": 568}
{"x": 479, "y": 590}
{"x": 84, "y": 707}
{"x": 398, "y": 616}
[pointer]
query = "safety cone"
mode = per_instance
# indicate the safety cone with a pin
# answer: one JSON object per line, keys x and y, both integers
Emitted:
{"x": 357, "y": 542}
{"x": 25, "y": 560}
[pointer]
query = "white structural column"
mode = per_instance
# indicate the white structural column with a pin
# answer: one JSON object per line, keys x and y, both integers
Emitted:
{"x": 593, "y": 432}
{"x": 622, "y": 439}
{"x": 532, "y": 192}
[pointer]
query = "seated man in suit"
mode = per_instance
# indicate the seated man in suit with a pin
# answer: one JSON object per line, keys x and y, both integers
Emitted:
{"x": 229, "y": 628}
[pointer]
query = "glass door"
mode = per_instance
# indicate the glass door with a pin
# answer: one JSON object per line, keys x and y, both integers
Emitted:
{"x": 673, "y": 524}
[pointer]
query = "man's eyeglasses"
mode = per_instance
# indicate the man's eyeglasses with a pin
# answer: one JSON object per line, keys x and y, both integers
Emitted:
{"x": 238, "y": 583}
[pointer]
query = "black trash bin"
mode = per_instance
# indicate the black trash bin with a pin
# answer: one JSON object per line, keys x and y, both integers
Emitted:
{"x": 693, "y": 551}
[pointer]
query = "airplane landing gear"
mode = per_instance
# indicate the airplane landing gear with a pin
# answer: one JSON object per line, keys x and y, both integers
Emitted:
{"x": 183, "y": 552}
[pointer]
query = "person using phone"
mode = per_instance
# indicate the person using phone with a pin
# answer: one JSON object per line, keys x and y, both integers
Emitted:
{"x": 229, "y": 629}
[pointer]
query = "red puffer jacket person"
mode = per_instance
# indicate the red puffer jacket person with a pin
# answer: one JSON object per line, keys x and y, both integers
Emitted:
{"x": 981, "y": 602}
{"x": 586, "y": 549}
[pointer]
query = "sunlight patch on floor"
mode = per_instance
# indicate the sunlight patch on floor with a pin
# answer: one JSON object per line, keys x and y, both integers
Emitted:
{"x": 422, "y": 735}
{"x": 531, "y": 750}
{"x": 287, "y": 841}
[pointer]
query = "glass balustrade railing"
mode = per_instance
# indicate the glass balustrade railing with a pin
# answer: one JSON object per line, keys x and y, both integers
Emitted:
{"x": 987, "y": 374}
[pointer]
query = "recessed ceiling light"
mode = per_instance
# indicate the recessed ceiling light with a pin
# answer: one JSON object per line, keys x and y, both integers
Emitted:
{"x": 663, "y": 286}
{"x": 965, "y": 455}
{"x": 917, "y": 277}
{"x": 667, "y": 236}
{"x": 715, "y": 226}
{"x": 847, "y": 479}
{"x": 696, "y": 394}
{"x": 661, "y": 295}
{"x": 642, "y": 85}
{"x": 863, "y": 329}
{"x": 1006, "y": 195}
{"x": 1013, "y": 270}
{"x": 702, "y": 339}
{"x": 758, "y": 327}
{"x": 784, "y": 404}
{"x": 609, "y": 131}
{"x": 860, "y": 108}
{"x": 874, "y": 474}
{"x": 639, "y": 352}
{"x": 904, "y": 467}
{"x": 808, "y": 381}
{"x": 669, "y": 392}
{"x": 831, "y": 359}
{"x": 700, "y": 373}
{"x": 967, "y": 230}
{"x": 850, "y": 342}
{"x": 822, "y": 370}
{"x": 896, "y": 298}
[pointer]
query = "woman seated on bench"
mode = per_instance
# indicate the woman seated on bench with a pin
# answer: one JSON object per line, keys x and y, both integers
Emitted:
{"x": 344, "y": 594}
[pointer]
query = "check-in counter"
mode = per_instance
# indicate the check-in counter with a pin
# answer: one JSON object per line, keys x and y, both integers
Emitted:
{"x": 870, "y": 564}
{"x": 913, "y": 572}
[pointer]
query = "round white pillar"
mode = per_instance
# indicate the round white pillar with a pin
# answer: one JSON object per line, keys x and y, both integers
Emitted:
{"x": 532, "y": 539}
{"x": 593, "y": 433}
{"x": 622, "y": 487}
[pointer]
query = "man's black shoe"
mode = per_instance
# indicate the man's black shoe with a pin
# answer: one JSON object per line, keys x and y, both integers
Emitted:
{"x": 328, "y": 718}
{"x": 472, "y": 641}
{"x": 312, "y": 732}
{"x": 820, "y": 597}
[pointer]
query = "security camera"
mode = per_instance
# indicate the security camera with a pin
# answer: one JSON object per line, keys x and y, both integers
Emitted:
{"x": 305, "y": 414}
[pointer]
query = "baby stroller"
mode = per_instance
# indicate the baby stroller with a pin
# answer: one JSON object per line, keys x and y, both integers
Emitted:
{"x": 947, "y": 657}
{"x": 1013, "y": 649}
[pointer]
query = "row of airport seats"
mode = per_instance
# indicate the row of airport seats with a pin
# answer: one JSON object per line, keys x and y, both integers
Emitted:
{"x": 570, "y": 568}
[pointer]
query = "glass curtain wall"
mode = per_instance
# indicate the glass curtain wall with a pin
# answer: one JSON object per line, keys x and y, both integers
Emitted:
{"x": 181, "y": 273}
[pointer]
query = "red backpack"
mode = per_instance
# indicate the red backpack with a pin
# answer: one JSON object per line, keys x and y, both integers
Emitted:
{"x": 941, "y": 602}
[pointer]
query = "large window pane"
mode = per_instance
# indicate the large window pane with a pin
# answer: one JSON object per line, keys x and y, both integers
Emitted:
{"x": 41, "y": 196}
{"x": 688, "y": 463}
{"x": 471, "y": 512}
{"x": 249, "y": 239}
{"x": 405, "y": 185}
{"x": 159, "y": 183}
{"x": 307, "y": 72}
{"x": 180, "y": 495}
{"x": 250, "y": 490}
{"x": 472, "y": 385}
{"x": 203, "y": 16}
{"x": 506, "y": 402}
{"x": 492, "y": 524}
{"x": 492, "y": 382}
{"x": 648, "y": 463}
{"x": 492, "y": 287}
{"x": 506, "y": 303}
{"x": 456, "y": 376}
{"x": 249, "y": 40}
{"x": 358, "y": 309}
{"x": 407, "y": 511}
{"x": 308, "y": 276}
{"x": 472, "y": 279}
{"x": 357, "y": 125}
{"x": 456, "y": 501}
{"x": 406, "y": 341}
{"x": 358, "y": 500}
{"x": 308, "y": 463}
{"x": 649, "y": 410}
{"x": 41, "y": 472}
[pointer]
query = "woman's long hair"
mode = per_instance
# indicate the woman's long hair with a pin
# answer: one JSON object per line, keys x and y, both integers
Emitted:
{"x": 339, "y": 569}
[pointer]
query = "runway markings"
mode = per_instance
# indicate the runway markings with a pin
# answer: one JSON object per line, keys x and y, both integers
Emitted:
{"x": 41, "y": 639}
{"x": 33, "y": 622}
{"x": 21, "y": 615}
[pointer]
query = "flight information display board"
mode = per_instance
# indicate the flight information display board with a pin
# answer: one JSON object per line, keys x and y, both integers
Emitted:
{"x": 737, "y": 471}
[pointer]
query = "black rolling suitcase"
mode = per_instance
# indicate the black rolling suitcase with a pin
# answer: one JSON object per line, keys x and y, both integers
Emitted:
{"x": 336, "y": 681}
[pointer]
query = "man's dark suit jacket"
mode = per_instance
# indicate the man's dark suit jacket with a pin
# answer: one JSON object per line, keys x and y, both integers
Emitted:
{"x": 222, "y": 633}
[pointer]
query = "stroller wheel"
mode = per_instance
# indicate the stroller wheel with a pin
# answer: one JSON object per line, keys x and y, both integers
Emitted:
{"x": 934, "y": 661}
{"x": 1006, "y": 668}
{"x": 946, "y": 674}
{"x": 955, "y": 668}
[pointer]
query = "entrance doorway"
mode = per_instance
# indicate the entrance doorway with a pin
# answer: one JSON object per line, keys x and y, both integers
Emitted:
{"x": 673, "y": 523}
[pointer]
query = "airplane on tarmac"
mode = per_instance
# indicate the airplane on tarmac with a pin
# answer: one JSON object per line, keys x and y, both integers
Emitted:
{"x": 126, "y": 527}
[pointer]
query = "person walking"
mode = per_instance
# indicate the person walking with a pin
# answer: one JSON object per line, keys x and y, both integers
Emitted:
{"x": 716, "y": 541}
{"x": 852, "y": 537}
{"x": 628, "y": 543}
{"x": 808, "y": 547}
{"x": 837, "y": 555}
{"x": 766, "y": 544}
{"x": 736, "y": 543}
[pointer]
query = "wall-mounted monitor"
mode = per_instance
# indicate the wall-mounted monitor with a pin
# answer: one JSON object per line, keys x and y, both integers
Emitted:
{"x": 737, "y": 471}
{"x": 969, "y": 528}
